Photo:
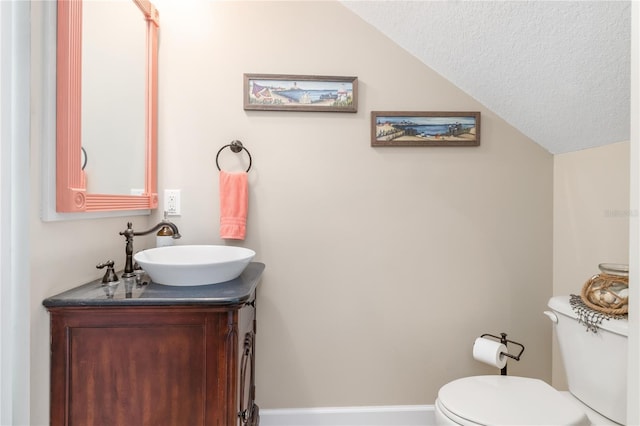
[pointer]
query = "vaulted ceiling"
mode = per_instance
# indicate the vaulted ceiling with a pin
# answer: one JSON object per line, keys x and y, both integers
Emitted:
{"x": 559, "y": 71}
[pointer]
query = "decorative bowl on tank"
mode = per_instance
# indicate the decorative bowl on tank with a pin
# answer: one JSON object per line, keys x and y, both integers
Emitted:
{"x": 620, "y": 269}
{"x": 192, "y": 265}
{"x": 608, "y": 291}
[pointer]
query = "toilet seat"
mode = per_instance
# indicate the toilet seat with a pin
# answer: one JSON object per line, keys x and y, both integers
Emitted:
{"x": 506, "y": 400}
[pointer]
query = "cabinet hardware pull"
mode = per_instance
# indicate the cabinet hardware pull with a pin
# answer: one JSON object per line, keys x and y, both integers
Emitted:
{"x": 246, "y": 399}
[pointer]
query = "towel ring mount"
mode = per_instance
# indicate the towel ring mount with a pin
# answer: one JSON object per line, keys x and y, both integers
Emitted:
{"x": 237, "y": 147}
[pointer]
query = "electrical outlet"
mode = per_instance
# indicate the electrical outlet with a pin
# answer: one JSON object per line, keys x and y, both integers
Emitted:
{"x": 172, "y": 202}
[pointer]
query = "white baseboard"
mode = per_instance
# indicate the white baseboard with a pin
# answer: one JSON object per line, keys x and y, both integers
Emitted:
{"x": 393, "y": 415}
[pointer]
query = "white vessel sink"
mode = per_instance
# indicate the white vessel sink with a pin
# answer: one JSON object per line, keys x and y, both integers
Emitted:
{"x": 194, "y": 264}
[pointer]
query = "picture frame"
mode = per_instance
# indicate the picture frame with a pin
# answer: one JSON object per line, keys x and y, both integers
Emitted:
{"x": 286, "y": 92}
{"x": 411, "y": 128}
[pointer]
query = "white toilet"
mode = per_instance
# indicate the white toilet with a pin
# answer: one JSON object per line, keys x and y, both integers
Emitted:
{"x": 596, "y": 366}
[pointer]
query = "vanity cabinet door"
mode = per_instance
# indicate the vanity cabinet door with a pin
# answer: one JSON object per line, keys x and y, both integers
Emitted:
{"x": 147, "y": 365}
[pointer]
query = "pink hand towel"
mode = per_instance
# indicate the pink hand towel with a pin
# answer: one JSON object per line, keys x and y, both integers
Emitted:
{"x": 234, "y": 203}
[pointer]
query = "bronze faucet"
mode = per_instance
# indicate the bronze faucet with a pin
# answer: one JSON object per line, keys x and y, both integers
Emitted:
{"x": 129, "y": 233}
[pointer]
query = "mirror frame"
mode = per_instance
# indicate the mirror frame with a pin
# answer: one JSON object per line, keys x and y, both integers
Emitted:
{"x": 71, "y": 189}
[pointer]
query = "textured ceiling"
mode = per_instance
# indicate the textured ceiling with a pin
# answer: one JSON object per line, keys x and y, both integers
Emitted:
{"x": 556, "y": 70}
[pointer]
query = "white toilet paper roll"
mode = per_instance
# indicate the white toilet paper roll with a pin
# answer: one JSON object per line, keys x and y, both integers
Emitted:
{"x": 490, "y": 352}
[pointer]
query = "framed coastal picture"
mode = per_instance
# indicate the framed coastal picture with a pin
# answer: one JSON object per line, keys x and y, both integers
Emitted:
{"x": 395, "y": 128}
{"x": 283, "y": 92}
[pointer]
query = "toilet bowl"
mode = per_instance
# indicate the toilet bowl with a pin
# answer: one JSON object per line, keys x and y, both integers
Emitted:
{"x": 512, "y": 400}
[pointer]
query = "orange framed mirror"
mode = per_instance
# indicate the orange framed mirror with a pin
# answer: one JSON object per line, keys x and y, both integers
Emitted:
{"x": 72, "y": 192}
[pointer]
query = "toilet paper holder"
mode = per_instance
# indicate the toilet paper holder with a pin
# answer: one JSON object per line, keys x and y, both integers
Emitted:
{"x": 503, "y": 339}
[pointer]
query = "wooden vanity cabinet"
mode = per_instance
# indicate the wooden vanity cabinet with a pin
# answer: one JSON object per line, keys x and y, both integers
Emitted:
{"x": 153, "y": 365}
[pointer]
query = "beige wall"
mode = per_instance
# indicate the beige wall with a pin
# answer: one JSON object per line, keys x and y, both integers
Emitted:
{"x": 590, "y": 219}
{"x": 383, "y": 264}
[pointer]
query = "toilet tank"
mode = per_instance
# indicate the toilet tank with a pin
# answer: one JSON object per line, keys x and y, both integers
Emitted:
{"x": 595, "y": 363}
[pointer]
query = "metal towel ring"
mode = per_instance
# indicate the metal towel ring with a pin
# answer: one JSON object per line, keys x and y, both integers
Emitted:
{"x": 235, "y": 146}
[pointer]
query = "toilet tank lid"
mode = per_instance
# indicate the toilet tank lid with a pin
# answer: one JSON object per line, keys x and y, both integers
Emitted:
{"x": 560, "y": 304}
{"x": 508, "y": 400}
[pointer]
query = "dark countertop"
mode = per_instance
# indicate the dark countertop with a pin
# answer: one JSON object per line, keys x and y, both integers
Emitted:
{"x": 94, "y": 293}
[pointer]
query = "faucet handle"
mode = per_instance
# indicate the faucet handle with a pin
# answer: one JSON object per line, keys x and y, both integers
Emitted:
{"x": 128, "y": 233}
{"x": 110, "y": 275}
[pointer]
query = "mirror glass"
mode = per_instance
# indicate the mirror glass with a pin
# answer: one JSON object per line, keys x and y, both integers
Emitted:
{"x": 113, "y": 96}
{"x": 106, "y": 83}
